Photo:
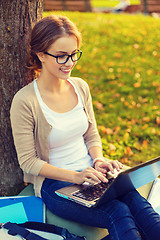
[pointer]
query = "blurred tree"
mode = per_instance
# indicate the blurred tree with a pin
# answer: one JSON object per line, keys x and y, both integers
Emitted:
{"x": 16, "y": 20}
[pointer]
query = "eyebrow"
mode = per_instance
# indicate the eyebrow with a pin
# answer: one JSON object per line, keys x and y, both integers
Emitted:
{"x": 65, "y": 52}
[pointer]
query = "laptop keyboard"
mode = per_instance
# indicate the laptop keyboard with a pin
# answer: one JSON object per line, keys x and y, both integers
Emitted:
{"x": 92, "y": 192}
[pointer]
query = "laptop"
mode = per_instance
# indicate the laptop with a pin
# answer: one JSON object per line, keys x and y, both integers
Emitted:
{"x": 125, "y": 181}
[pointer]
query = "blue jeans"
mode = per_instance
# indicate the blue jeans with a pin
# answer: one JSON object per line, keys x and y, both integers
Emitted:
{"x": 125, "y": 218}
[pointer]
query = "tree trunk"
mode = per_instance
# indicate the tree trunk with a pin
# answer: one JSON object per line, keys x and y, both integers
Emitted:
{"x": 16, "y": 20}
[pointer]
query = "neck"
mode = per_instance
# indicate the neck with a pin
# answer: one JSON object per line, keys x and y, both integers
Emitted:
{"x": 50, "y": 84}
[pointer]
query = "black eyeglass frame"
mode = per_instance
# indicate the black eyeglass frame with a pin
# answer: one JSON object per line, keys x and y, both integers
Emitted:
{"x": 68, "y": 56}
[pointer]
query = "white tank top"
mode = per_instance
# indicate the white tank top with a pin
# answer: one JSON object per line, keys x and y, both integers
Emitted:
{"x": 66, "y": 143}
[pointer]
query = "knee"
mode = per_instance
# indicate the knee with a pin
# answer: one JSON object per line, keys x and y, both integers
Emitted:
{"x": 135, "y": 201}
{"x": 132, "y": 197}
{"x": 119, "y": 210}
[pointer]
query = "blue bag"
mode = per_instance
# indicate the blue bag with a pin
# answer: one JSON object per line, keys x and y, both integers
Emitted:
{"x": 35, "y": 231}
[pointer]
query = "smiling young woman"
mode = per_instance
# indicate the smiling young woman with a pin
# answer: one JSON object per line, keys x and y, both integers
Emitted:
{"x": 57, "y": 140}
{"x": 46, "y": 32}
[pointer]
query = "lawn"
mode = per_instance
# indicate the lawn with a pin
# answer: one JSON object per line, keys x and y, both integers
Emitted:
{"x": 110, "y": 3}
{"x": 120, "y": 62}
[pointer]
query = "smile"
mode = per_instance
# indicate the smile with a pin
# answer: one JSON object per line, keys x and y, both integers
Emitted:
{"x": 66, "y": 70}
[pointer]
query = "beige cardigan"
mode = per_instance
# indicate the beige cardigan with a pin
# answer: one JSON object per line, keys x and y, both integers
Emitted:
{"x": 30, "y": 131}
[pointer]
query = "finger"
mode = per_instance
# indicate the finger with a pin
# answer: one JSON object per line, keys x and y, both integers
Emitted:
{"x": 117, "y": 165}
{"x": 101, "y": 169}
{"x": 93, "y": 177}
{"x": 105, "y": 165}
{"x": 102, "y": 176}
{"x": 97, "y": 177}
{"x": 92, "y": 173}
{"x": 110, "y": 167}
{"x": 90, "y": 181}
{"x": 121, "y": 165}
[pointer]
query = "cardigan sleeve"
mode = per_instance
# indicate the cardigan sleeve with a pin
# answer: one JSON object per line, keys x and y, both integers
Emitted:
{"x": 22, "y": 123}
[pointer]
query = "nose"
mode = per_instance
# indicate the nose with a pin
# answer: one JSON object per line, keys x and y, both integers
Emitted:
{"x": 69, "y": 62}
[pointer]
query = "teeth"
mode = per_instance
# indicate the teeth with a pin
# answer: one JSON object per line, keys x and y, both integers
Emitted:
{"x": 64, "y": 70}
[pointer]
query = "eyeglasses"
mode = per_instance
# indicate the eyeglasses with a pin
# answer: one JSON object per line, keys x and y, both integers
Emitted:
{"x": 62, "y": 59}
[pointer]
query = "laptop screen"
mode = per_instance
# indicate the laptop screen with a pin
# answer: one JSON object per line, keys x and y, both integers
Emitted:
{"x": 144, "y": 173}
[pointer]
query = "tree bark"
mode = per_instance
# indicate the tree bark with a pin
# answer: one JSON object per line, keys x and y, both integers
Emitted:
{"x": 17, "y": 17}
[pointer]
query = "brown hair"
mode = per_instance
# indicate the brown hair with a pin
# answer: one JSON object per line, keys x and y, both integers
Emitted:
{"x": 46, "y": 32}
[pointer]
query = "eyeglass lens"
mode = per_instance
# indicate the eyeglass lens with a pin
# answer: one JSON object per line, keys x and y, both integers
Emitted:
{"x": 64, "y": 58}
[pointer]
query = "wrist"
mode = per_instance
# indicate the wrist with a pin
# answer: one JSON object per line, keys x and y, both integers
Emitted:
{"x": 75, "y": 177}
{"x": 98, "y": 159}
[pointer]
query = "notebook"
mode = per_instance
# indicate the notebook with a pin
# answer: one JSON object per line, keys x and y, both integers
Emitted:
{"x": 118, "y": 186}
{"x": 13, "y": 213}
{"x": 20, "y": 209}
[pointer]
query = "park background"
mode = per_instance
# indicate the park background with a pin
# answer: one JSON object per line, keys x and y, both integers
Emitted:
{"x": 120, "y": 62}
{"x": 110, "y": 3}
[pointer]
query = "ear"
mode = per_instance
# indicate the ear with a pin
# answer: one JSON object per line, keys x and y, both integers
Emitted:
{"x": 41, "y": 56}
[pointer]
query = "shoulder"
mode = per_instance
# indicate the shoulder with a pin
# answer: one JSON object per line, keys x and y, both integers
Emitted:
{"x": 79, "y": 81}
{"x": 24, "y": 97}
{"x": 25, "y": 92}
{"x": 81, "y": 84}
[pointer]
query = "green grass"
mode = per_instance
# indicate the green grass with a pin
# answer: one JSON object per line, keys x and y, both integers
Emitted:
{"x": 110, "y": 3}
{"x": 121, "y": 63}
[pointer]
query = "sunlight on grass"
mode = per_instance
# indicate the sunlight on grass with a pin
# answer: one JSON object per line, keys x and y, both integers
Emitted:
{"x": 120, "y": 61}
{"x": 110, "y": 3}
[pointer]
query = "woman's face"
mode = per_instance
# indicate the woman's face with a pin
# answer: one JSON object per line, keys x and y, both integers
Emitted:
{"x": 65, "y": 45}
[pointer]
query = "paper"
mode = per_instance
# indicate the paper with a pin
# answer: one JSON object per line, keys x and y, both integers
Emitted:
{"x": 13, "y": 213}
{"x": 154, "y": 196}
{"x": 33, "y": 206}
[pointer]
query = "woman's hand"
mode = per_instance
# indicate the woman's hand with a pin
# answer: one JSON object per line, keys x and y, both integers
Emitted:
{"x": 109, "y": 165}
{"x": 90, "y": 175}
{"x": 97, "y": 174}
